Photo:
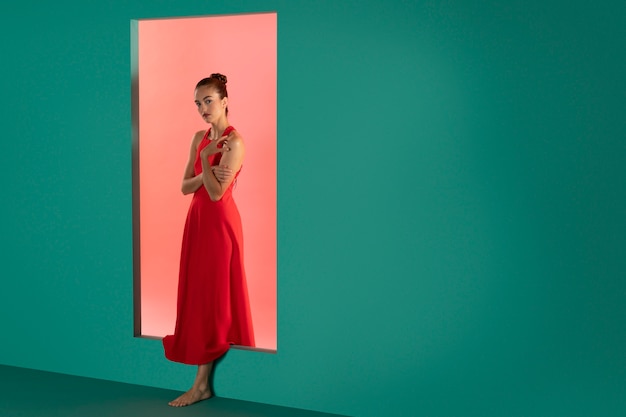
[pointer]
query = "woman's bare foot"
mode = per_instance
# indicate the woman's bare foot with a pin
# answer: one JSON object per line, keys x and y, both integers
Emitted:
{"x": 192, "y": 396}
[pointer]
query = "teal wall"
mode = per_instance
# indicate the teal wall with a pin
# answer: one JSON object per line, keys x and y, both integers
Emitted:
{"x": 452, "y": 201}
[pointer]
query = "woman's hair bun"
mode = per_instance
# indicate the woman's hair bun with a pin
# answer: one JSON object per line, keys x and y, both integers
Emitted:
{"x": 220, "y": 77}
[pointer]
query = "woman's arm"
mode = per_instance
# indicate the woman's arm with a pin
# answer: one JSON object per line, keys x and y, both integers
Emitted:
{"x": 233, "y": 152}
{"x": 192, "y": 182}
{"x": 222, "y": 172}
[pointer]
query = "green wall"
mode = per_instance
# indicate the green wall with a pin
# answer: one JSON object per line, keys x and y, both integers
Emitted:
{"x": 452, "y": 198}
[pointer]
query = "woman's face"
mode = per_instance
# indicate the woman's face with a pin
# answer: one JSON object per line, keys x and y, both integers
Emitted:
{"x": 210, "y": 106}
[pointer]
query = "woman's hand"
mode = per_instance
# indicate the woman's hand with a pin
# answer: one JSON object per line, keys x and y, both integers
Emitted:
{"x": 222, "y": 173}
{"x": 216, "y": 146}
{"x": 231, "y": 159}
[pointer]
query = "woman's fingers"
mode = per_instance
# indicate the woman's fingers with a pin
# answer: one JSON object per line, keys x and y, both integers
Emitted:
{"x": 216, "y": 145}
{"x": 222, "y": 144}
{"x": 222, "y": 173}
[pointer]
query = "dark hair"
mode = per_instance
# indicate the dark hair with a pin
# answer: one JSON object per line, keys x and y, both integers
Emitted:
{"x": 218, "y": 82}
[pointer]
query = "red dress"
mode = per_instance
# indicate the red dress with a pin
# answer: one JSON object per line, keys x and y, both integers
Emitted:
{"x": 212, "y": 310}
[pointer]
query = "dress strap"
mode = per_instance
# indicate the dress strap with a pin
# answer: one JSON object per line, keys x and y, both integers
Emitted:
{"x": 226, "y": 132}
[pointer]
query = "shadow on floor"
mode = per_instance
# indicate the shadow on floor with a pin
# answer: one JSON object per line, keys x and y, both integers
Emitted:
{"x": 32, "y": 393}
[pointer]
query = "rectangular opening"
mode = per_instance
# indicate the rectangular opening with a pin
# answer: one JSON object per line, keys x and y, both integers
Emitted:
{"x": 169, "y": 56}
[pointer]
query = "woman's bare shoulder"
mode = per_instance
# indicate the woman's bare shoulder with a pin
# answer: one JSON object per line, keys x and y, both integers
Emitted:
{"x": 235, "y": 139}
{"x": 197, "y": 137}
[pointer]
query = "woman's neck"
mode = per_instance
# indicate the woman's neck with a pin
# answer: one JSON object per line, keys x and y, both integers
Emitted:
{"x": 219, "y": 127}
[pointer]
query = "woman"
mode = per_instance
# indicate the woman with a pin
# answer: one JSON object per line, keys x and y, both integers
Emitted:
{"x": 212, "y": 308}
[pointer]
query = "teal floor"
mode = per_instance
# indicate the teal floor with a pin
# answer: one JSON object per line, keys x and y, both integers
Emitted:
{"x": 31, "y": 393}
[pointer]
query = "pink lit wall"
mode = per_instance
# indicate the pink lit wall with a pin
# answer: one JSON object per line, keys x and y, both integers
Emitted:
{"x": 173, "y": 55}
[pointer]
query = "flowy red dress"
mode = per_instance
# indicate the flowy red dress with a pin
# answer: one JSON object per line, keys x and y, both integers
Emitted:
{"x": 212, "y": 308}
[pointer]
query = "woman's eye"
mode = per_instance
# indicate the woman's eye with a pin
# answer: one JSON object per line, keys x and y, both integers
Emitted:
{"x": 207, "y": 102}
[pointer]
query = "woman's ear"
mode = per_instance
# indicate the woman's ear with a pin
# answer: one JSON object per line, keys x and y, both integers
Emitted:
{"x": 225, "y": 102}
